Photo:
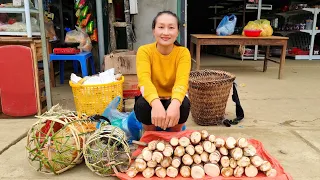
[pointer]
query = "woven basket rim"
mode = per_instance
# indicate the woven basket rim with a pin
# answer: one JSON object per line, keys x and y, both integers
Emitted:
{"x": 229, "y": 77}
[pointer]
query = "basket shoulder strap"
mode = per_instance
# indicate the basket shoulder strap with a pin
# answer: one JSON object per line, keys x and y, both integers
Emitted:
{"x": 239, "y": 109}
{"x": 235, "y": 98}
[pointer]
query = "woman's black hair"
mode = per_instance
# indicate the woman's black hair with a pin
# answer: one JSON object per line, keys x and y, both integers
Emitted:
{"x": 154, "y": 22}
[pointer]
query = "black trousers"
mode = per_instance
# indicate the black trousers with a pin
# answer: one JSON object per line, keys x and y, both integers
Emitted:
{"x": 142, "y": 110}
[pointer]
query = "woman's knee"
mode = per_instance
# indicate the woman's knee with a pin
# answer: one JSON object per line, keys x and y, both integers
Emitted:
{"x": 184, "y": 110}
{"x": 142, "y": 110}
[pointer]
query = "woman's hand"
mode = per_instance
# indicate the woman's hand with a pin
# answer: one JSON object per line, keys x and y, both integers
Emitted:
{"x": 158, "y": 113}
{"x": 173, "y": 114}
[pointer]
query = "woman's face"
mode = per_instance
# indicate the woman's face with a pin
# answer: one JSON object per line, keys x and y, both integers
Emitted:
{"x": 166, "y": 30}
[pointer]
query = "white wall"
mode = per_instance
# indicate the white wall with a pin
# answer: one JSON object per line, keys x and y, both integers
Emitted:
{"x": 147, "y": 10}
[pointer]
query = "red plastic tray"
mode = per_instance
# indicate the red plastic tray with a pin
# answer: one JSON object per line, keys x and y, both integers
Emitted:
{"x": 66, "y": 51}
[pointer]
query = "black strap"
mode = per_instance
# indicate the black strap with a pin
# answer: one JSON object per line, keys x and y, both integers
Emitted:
{"x": 239, "y": 110}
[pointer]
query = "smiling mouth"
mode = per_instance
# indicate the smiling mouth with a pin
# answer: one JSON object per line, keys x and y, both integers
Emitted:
{"x": 165, "y": 38}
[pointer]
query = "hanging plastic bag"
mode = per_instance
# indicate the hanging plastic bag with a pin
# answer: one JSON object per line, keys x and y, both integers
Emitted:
{"x": 227, "y": 25}
{"x": 79, "y": 36}
{"x": 126, "y": 121}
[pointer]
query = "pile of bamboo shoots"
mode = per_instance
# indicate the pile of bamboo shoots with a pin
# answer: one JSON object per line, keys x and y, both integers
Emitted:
{"x": 199, "y": 155}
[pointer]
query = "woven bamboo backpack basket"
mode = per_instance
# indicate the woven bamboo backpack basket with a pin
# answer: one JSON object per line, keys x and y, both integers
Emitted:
{"x": 208, "y": 93}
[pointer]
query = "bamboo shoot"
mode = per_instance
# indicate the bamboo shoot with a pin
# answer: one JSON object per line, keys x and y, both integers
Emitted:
{"x": 184, "y": 141}
{"x": 195, "y": 137}
{"x": 161, "y": 172}
{"x": 166, "y": 162}
{"x": 197, "y": 172}
{"x": 190, "y": 150}
{"x": 204, "y": 157}
{"x": 265, "y": 166}
{"x": 215, "y": 157}
{"x": 233, "y": 163}
{"x": 212, "y": 170}
{"x": 209, "y": 147}
{"x": 243, "y": 162}
{"x": 224, "y": 151}
{"x": 185, "y": 171}
{"x": 242, "y": 142}
{"x": 176, "y": 162}
{"x": 196, "y": 158}
{"x": 160, "y": 146}
{"x": 225, "y": 161}
{"x": 198, "y": 149}
{"x": 157, "y": 156}
{"x": 174, "y": 141}
{"x": 172, "y": 172}
{"x": 249, "y": 151}
{"x": 236, "y": 153}
{"x": 148, "y": 173}
{"x": 152, "y": 145}
{"x": 238, "y": 171}
{"x": 271, "y": 173}
{"x": 204, "y": 134}
{"x": 219, "y": 142}
{"x": 231, "y": 143}
{"x": 187, "y": 160}
{"x": 227, "y": 172}
{"x": 212, "y": 138}
{"x": 256, "y": 160}
{"x": 140, "y": 165}
{"x": 251, "y": 171}
{"x": 152, "y": 164}
{"x": 179, "y": 151}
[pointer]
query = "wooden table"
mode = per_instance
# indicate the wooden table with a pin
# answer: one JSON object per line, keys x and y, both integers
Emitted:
{"x": 210, "y": 39}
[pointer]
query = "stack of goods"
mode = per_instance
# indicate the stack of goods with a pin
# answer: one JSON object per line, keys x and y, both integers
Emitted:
{"x": 85, "y": 19}
{"x": 198, "y": 155}
{"x": 256, "y": 28}
{"x": 55, "y": 142}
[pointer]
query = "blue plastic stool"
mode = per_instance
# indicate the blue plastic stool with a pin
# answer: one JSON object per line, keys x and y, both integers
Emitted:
{"x": 81, "y": 57}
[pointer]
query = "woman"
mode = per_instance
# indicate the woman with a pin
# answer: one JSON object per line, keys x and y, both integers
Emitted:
{"x": 163, "y": 69}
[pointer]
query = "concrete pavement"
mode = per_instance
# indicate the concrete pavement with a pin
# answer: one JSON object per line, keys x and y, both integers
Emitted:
{"x": 282, "y": 114}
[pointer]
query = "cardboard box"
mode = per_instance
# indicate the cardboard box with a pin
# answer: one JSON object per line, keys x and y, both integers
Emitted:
{"x": 124, "y": 62}
{"x": 130, "y": 86}
{"x": 130, "y": 82}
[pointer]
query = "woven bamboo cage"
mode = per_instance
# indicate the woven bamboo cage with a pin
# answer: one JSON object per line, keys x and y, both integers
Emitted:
{"x": 55, "y": 141}
{"x": 106, "y": 152}
{"x": 208, "y": 93}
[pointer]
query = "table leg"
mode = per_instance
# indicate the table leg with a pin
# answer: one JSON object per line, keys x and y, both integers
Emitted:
{"x": 198, "y": 51}
{"x": 265, "y": 64}
{"x": 191, "y": 49}
{"x": 282, "y": 60}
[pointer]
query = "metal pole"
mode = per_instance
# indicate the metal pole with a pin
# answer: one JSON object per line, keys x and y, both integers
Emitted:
{"x": 128, "y": 22}
{"x": 313, "y": 32}
{"x": 45, "y": 58}
{"x": 259, "y": 16}
{"x": 100, "y": 32}
{"x": 28, "y": 19}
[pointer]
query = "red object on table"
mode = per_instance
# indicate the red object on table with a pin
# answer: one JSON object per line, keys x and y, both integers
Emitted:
{"x": 17, "y": 81}
{"x": 252, "y": 33}
{"x": 166, "y": 136}
{"x": 66, "y": 51}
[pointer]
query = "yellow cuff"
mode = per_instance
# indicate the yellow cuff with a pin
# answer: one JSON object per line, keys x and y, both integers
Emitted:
{"x": 151, "y": 97}
{"x": 178, "y": 96}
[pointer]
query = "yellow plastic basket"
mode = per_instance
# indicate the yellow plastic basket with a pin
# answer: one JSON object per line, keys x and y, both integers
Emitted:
{"x": 93, "y": 99}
